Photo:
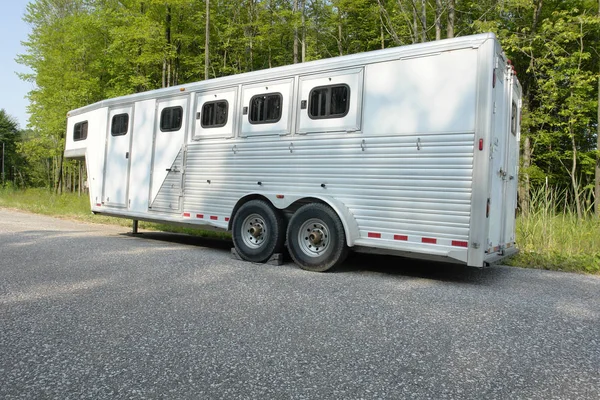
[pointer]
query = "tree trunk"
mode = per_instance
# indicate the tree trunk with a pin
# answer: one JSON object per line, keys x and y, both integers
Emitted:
{"x": 423, "y": 21}
{"x": 340, "y": 38}
{"x": 59, "y": 180}
{"x": 302, "y": 4}
{"x": 438, "y": 22}
{"x": 597, "y": 186}
{"x": 450, "y": 27}
{"x": 524, "y": 186}
{"x": 207, "y": 40}
{"x": 415, "y": 23}
{"x": 166, "y": 70}
{"x": 294, "y": 12}
{"x": 574, "y": 181}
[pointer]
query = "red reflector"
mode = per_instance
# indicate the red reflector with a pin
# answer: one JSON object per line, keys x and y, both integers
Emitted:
{"x": 480, "y": 144}
{"x": 280, "y": 196}
{"x": 374, "y": 235}
{"x": 226, "y": 219}
{"x": 400, "y": 237}
{"x": 214, "y": 217}
{"x": 460, "y": 243}
{"x": 199, "y": 215}
{"x": 98, "y": 204}
{"x": 186, "y": 214}
{"x": 429, "y": 240}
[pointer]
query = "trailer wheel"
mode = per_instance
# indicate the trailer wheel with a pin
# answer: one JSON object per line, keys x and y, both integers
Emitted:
{"x": 258, "y": 231}
{"x": 316, "y": 238}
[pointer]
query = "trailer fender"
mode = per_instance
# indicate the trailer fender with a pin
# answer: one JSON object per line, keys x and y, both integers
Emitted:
{"x": 283, "y": 202}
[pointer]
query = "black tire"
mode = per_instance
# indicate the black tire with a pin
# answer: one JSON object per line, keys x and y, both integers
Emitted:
{"x": 316, "y": 239}
{"x": 258, "y": 231}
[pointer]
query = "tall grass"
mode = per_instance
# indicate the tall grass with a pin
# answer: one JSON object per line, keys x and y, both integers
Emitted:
{"x": 551, "y": 236}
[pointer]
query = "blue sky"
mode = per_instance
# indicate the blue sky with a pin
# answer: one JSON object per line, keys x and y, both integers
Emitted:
{"x": 13, "y": 30}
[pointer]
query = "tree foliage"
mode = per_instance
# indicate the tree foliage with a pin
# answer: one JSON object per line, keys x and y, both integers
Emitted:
{"x": 82, "y": 51}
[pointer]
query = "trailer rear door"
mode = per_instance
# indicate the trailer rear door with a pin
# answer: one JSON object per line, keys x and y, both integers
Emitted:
{"x": 498, "y": 172}
{"x": 512, "y": 162}
{"x": 503, "y": 176}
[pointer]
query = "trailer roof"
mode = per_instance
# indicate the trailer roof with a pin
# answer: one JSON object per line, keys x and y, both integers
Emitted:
{"x": 327, "y": 64}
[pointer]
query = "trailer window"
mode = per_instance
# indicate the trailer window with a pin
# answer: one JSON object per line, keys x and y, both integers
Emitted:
{"x": 513, "y": 120}
{"x": 214, "y": 114}
{"x": 80, "y": 131}
{"x": 171, "y": 119}
{"x": 329, "y": 102}
{"x": 265, "y": 108}
{"x": 119, "y": 125}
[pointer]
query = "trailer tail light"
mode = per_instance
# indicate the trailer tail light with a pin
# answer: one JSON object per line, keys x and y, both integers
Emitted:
{"x": 487, "y": 208}
{"x": 214, "y": 217}
{"x": 186, "y": 214}
{"x": 480, "y": 144}
{"x": 201, "y": 216}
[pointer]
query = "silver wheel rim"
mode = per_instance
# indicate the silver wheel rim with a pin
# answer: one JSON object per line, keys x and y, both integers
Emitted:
{"x": 254, "y": 231}
{"x": 314, "y": 237}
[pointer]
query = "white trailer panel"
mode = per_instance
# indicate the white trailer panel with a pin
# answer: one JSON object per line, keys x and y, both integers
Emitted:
{"x": 410, "y": 150}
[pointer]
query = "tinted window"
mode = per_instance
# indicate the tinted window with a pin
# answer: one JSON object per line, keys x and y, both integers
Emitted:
{"x": 119, "y": 125}
{"x": 80, "y": 131}
{"x": 329, "y": 102}
{"x": 171, "y": 119}
{"x": 214, "y": 114}
{"x": 265, "y": 108}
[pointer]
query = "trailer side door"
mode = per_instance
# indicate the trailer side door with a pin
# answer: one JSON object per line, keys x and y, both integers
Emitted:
{"x": 116, "y": 167}
{"x": 168, "y": 155}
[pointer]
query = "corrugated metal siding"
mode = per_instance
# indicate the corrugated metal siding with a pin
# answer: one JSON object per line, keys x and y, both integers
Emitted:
{"x": 168, "y": 196}
{"x": 393, "y": 186}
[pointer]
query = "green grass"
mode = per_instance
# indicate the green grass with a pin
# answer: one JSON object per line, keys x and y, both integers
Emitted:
{"x": 73, "y": 206}
{"x": 551, "y": 236}
{"x": 548, "y": 239}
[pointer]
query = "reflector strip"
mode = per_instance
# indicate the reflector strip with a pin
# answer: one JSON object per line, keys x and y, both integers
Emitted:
{"x": 199, "y": 215}
{"x": 214, "y": 217}
{"x": 186, "y": 214}
{"x": 429, "y": 240}
{"x": 400, "y": 237}
{"x": 226, "y": 219}
{"x": 374, "y": 235}
{"x": 460, "y": 243}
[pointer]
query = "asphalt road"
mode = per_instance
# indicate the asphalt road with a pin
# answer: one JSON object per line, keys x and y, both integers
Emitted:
{"x": 89, "y": 312}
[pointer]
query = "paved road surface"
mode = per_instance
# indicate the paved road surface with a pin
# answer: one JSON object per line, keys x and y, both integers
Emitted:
{"x": 88, "y": 312}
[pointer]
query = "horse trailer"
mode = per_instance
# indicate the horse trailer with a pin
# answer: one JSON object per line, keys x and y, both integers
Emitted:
{"x": 410, "y": 151}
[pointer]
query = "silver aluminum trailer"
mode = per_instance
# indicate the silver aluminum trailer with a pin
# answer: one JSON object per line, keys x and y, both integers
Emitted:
{"x": 409, "y": 151}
